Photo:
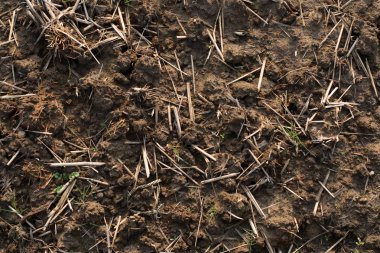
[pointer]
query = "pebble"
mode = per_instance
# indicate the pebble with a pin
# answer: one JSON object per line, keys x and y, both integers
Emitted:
{"x": 21, "y": 134}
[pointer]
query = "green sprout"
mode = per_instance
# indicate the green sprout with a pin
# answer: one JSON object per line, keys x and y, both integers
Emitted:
{"x": 293, "y": 135}
{"x": 250, "y": 239}
{"x": 359, "y": 242}
{"x": 211, "y": 213}
{"x": 64, "y": 177}
{"x": 251, "y": 77}
{"x": 15, "y": 206}
{"x": 85, "y": 193}
{"x": 57, "y": 189}
{"x": 127, "y": 2}
{"x": 175, "y": 149}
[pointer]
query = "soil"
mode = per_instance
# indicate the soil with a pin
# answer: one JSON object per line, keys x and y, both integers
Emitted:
{"x": 280, "y": 142}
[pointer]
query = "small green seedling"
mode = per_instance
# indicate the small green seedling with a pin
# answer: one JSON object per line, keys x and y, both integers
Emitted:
{"x": 211, "y": 213}
{"x": 127, "y": 2}
{"x": 359, "y": 243}
{"x": 293, "y": 135}
{"x": 64, "y": 177}
{"x": 85, "y": 193}
{"x": 250, "y": 238}
{"x": 15, "y": 206}
{"x": 58, "y": 189}
{"x": 175, "y": 149}
{"x": 251, "y": 77}
{"x": 295, "y": 138}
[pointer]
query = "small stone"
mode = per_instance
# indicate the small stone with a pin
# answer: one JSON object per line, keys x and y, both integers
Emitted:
{"x": 21, "y": 134}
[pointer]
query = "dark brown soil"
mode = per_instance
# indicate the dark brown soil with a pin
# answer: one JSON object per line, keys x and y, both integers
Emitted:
{"x": 85, "y": 111}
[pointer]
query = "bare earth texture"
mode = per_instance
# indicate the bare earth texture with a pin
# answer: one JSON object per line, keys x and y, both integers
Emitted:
{"x": 204, "y": 125}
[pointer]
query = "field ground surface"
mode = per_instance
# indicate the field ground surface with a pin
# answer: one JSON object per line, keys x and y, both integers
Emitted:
{"x": 189, "y": 126}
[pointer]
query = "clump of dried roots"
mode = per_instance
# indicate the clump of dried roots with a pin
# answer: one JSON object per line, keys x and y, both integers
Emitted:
{"x": 71, "y": 30}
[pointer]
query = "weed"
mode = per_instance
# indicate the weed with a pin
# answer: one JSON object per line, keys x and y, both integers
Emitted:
{"x": 127, "y": 2}
{"x": 359, "y": 243}
{"x": 85, "y": 193}
{"x": 293, "y": 135}
{"x": 57, "y": 189}
{"x": 295, "y": 138}
{"x": 211, "y": 213}
{"x": 103, "y": 124}
{"x": 14, "y": 202}
{"x": 251, "y": 77}
{"x": 175, "y": 149}
{"x": 15, "y": 206}
{"x": 250, "y": 239}
{"x": 64, "y": 177}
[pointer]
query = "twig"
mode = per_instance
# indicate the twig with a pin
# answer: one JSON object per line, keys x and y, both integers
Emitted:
{"x": 261, "y": 74}
{"x": 267, "y": 242}
{"x": 145, "y": 159}
{"x": 178, "y": 65}
{"x": 172, "y": 65}
{"x": 352, "y": 47}
{"x": 310, "y": 240}
{"x": 372, "y": 80}
{"x": 254, "y": 202}
{"x": 328, "y": 35}
{"x": 13, "y": 158}
{"x": 215, "y": 45}
{"x": 177, "y": 121}
{"x": 177, "y": 168}
{"x": 193, "y": 73}
{"x": 199, "y": 223}
{"x": 76, "y": 164}
{"x": 335, "y": 244}
{"x": 219, "y": 178}
{"x": 204, "y": 153}
{"x": 243, "y": 76}
{"x": 254, "y": 13}
{"x": 119, "y": 222}
{"x": 327, "y": 190}
{"x": 170, "y": 118}
{"x": 17, "y": 96}
{"x": 319, "y": 194}
{"x": 292, "y": 192}
{"x": 93, "y": 180}
{"x": 22, "y": 217}
{"x": 189, "y": 102}
{"x": 108, "y": 233}
{"x": 13, "y": 86}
